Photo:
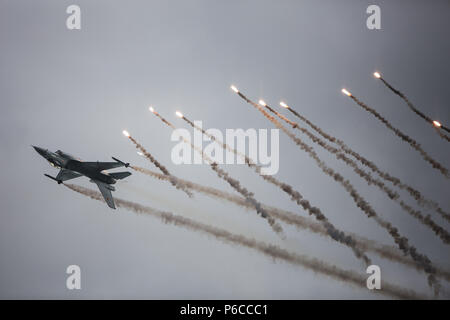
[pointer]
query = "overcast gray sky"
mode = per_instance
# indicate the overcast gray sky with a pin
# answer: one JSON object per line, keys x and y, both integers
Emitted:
{"x": 77, "y": 90}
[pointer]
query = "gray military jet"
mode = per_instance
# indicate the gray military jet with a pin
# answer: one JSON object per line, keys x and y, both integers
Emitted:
{"x": 71, "y": 167}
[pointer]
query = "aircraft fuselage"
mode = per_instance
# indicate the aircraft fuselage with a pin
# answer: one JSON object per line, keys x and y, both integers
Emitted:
{"x": 63, "y": 160}
{"x": 71, "y": 168}
{"x": 90, "y": 172}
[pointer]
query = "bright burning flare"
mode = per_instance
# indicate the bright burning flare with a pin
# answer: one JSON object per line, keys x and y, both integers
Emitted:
{"x": 179, "y": 114}
{"x": 437, "y": 124}
{"x": 261, "y": 102}
{"x": 125, "y": 133}
{"x": 151, "y": 109}
{"x": 140, "y": 153}
{"x": 377, "y": 75}
{"x": 234, "y": 89}
{"x": 346, "y": 92}
{"x": 284, "y": 105}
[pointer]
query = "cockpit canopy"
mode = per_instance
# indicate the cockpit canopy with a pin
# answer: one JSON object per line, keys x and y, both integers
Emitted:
{"x": 65, "y": 155}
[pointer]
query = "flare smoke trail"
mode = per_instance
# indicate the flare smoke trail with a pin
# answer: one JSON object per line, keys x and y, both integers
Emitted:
{"x": 163, "y": 169}
{"x": 339, "y": 155}
{"x": 402, "y": 242}
{"x": 426, "y": 221}
{"x": 161, "y": 118}
{"x": 235, "y": 184}
{"x": 416, "y": 194}
{"x": 333, "y": 232}
{"x": 443, "y": 136}
{"x": 410, "y": 105}
{"x": 414, "y": 144}
{"x": 270, "y": 250}
{"x": 291, "y": 218}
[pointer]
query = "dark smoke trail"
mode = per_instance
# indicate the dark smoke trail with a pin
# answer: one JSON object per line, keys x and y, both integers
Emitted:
{"x": 291, "y": 218}
{"x": 235, "y": 184}
{"x": 427, "y": 221}
{"x": 270, "y": 250}
{"x": 443, "y": 135}
{"x": 410, "y": 105}
{"x": 413, "y": 108}
{"x": 339, "y": 155}
{"x": 163, "y": 169}
{"x": 162, "y": 119}
{"x": 402, "y": 242}
{"x": 279, "y": 115}
{"x": 333, "y": 232}
{"x": 414, "y": 144}
{"x": 416, "y": 194}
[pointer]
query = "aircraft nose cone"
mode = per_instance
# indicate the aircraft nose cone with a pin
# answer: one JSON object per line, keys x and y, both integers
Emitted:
{"x": 39, "y": 150}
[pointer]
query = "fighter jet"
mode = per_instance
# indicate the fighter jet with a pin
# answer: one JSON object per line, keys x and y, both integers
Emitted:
{"x": 71, "y": 167}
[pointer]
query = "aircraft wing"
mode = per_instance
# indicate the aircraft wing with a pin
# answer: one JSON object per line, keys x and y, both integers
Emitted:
{"x": 100, "y": 166}
{"x": 65, "y": 174}
{"x": 106, "y": 193}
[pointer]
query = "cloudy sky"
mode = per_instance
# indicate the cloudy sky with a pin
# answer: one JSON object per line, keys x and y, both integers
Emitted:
{"x": 76, "y": 90}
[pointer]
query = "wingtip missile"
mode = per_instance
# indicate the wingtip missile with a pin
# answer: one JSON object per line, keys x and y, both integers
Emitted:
{"x": 53, "y": 178}
{"x": 125, "y": 164}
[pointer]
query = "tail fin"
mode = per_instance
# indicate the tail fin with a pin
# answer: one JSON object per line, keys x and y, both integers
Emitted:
{"x": 120, "y": 175}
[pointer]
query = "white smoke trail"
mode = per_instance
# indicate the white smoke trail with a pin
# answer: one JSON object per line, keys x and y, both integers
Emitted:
{"x": 413, "y": 143}
{"x": 303, "y": 223}
{"x": 394, "y": 196}
{"x": 234, "y": 183}
{"x": 402, "y": 242}
{"x": 413, "y": 192}
{"x": 332, "y": 231}
{"x": 159, "y": 166}
{"x": 271, "y": 250}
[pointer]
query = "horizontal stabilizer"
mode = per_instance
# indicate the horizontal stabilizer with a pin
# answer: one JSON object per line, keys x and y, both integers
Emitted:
{"x": 65, "y": 175}
{"x": 120, "y": 175}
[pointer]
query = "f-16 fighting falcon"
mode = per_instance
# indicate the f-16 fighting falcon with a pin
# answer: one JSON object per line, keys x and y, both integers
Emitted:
{"x": 71, "y": 167}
